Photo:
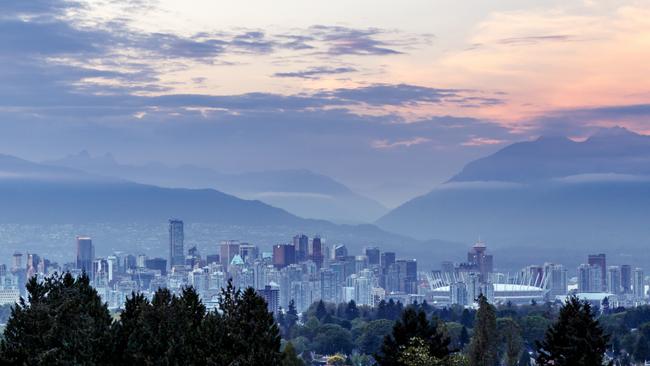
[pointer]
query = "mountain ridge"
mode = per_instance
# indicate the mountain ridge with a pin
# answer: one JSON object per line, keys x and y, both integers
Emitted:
{"x": 299, "y": 191}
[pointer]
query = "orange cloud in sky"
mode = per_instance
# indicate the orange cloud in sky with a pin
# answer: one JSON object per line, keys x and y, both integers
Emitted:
{"x": 549, "y": 60}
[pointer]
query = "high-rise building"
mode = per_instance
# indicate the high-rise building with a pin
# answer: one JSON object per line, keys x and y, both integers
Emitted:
{"x": 301, "y": 242}
{"x": 362, "y": 284}
{"x": 373, "y": 255}
{"x": 589, "y": 278}
{"x": 176, "y": 242}
{"x": 408, "y": 275}
{"x": 533, "y": 275}
{"x": 316, "y": 251}
{"x": 638, "y": 283}
{"x": 272, "y": 296}
{"x": 248, "y": 252}
{"x": 458, "y": 294}
{"x": 284, "y": 255}
{"x": 328, "y": 285}
{"x": 556, "y": 279}
{"x": 626, "y": 279}
{"x": 599, "y": 260}
{"x": 157, "y": 264}
{"x": 478, "y": 258}
{"x": 340, "y": 252}
{"x": 17, "y": 262}
{"x": 614, "y": 280}
{"x": 85, "y": 255}
{"x": 386, "y": 259}
{"x": 228, "y": 250}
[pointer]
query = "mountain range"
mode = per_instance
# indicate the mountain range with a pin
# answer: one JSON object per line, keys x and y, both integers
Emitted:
{"x": 299, "y": 191}
{"x": 41, "y": 194}
{"x": 546, "y": 196}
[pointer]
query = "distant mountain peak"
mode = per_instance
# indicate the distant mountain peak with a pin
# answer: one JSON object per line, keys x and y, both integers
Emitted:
{"x": 616, "y": 131}
{"x": 616, "y": 150}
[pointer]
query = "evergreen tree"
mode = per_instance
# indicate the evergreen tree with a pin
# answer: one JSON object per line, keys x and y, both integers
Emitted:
{"x": 165, "y": 331}
{"x": 412, "y": 325}
{"x": 511, "y": 340}
{"x": 289, "y": 356}
{"x": 467, "y": 319}
{"x": 130, "y": 334}
{"x": 641, "y": 349}
{"x": 464, "y": 338}
{"x": 291, "y": 318}
{"x": 251, "y": 335}
{"x": 351, "y": 311}
{"x": 64, "y": 322}
{"x": 321, "y": 311}
{"x": 575, "y": 339}
{"x": 484, "y": 344}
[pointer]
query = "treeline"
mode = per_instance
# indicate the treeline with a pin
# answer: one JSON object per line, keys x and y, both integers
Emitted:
{"x": 64, "y": 322}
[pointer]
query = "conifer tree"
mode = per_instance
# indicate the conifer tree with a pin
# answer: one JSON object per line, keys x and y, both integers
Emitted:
{"x": 289, "y": 356}
{"x": 321, "y": 311}
{"x": 63, "y": 321}
{"x": 576, "y": 338}
{"x": 483, "y": 347}
{"x": 464, "y": 337}
{"x": 413, "y": 324}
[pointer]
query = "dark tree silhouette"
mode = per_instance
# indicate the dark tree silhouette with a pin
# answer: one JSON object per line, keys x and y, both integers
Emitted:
{"x": 64, "y": 322}
{"x": 413, "y": 324}
{"x": 575, "y": 339}
{"x": 483, "y": 347}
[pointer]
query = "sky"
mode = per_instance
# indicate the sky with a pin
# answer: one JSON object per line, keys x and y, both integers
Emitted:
{"x": 390, "y": 98}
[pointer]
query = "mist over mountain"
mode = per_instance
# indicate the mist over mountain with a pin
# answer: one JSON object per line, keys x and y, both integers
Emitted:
{"x": 545, "y": 195}
{"x": 299, "y": 191}
{"x": 611, "y": 150}
{"x": 46, "y": 195}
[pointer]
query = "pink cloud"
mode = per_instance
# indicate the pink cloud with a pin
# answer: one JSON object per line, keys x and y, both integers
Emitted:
{"x": 386, "y": 144}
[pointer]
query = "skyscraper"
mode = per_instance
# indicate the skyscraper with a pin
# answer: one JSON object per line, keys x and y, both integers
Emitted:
{"x": 85, "y": 255}
{"x": 614, "y": 280}
{"x": 386, "y": 259}
{"x": 373, "y": 255}
{"x": 408, "y": 275}
{"x": 176, "y": 240}
{"x": 478, "y": 257}
{"x": 301, "y": 242}
{"x": 638, "y": 283}
{"x": 556, "y": 279}
{"x": 340, "y": 252}
{"x": 600, "y": 260}
{"x": 227, "y": 251}
{"x": 626, "y": 279}
{"x": 284, "y": 255}
{"x": 316, "y": 252}
{"x": 589, "y": 278}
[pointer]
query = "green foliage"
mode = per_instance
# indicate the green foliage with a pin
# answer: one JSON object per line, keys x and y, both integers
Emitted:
{"x": 63, "y": 322}
{"x": 413, "y": 324}
{"x": 373, "y": 334}
{"x": 332, "y": 338}
{"x": 416, "y": 353}
{"x": 641, "y": 351}
{"x": 483, "y": 347}
{"x": 534, "y": 328}
{"x": 289, "y": 356}
{"x": 511, "y": 341}
{"x": 576, "y": 339}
